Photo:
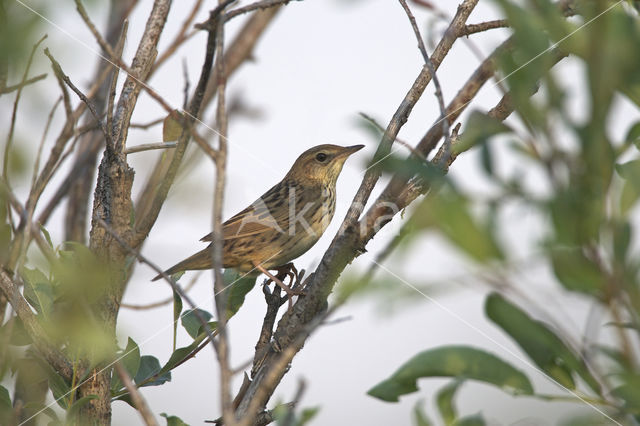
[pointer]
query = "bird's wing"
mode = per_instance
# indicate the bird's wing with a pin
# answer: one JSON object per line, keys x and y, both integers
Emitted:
{"x": 257, "y": 218}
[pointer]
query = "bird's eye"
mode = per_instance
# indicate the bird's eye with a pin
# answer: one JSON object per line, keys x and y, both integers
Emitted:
{"x": 321, "y": 157}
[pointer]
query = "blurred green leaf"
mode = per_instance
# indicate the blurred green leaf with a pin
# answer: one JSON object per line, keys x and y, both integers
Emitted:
{"x": 461, "y": 362}
{"x": 237, "y": 286}
{"x": 46, "y": 235}
{"x": 150, "y": 368}
{"x": 420, "y": 416}
{"x": 191, "y": 323}
{"x": 633, "y": 135}
{"x": 474, "y": 420}
{"x": 630, "y": 172}
{"x": 444, "y": 400}
{"x": 130, "y": 359}
{"x": 450, "y": 213}
{"x": 479, "y": 128}
{"x": 575, "y": 272}
{"x": 6, "y": 407}
{"x": 622, "y": 232}
{"x": 539, "y": 342}
{"x": 173, "y": 420}
{"x": 58, "y": 386}
{"x": 37, "y": 290}
{"x": 629, "y": 392}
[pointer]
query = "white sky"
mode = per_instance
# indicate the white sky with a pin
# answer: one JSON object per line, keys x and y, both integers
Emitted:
{"x": 317, "y": 66}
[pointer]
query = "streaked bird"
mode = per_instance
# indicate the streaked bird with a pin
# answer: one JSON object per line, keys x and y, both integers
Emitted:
{"x": 284, "y": 222}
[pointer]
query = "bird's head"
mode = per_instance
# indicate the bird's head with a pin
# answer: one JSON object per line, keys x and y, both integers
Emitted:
{"x": 321, "y": 164}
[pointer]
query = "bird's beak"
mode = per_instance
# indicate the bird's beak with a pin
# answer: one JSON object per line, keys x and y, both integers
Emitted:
{"x": 348, "y": 150}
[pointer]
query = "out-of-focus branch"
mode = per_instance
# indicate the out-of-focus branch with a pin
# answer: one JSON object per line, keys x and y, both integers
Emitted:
{"x": 138, "y": 400}
{"x": 22, "y": 84}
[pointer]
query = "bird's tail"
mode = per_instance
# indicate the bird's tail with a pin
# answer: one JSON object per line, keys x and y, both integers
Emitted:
{"x": 200, "y": 260}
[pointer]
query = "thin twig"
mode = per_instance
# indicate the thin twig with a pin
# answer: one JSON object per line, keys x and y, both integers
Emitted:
{"x": 36, "y": 164}
{"x": 58, "y": 71}
{"x": 96, "y": 34}
{"x": 147, "y": 125}
{"x": 138, "y": 400}
{"x": 436, "y": 82}
{"x": 7, "y": 147}
{"x": 160, "y": 303}
{"x": 149, "y": 147}
{"x": 219, "y": 296}
{"x": 381, "y": 129}
{"x": 469, "y": 29}
{"x": 264, "y": 4}
{"x": 20, "y": 85}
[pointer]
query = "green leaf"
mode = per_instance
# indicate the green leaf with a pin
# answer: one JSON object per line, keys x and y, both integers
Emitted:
{"x": 575, "y": 272}
{"x": 5, "y": 400}
{"x": 629, "y": 392}
{"x": 191, "y": 323}
{"x": 480, "y": 127}
{"x": 150, "y": 369}
{"x": 539, "y": 342}
{"x": 173, "y": 420}
{"x": 633, "y": 135}
{"x": 307, "y": 414}
{"x": 622, "y": 233}
{"x": 177, "y": 310}
{"x": 452, "y": 361}
{"x": 630, "y": 172}
{"x": 444, "y": 400}
{"x": 474, "y": 420}
{"x": 237, "y": 286}
{"x": 58, "y": 386}
{"x": 37, "y": 290}
{"x": 46, "y": 235}
{"x": 449, "y": 212}
{"x": 130, "y": 359}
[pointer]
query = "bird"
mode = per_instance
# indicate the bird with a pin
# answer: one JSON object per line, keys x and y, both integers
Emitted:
{"x": 283, "y": 223}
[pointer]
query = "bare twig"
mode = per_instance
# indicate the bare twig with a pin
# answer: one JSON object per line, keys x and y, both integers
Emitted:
{"x": 137, "y": 398}
{"x": 436, "y": 82}
{"x": 179, "y": 38}
{"x": 382, "y": 129}
{"x": 147, "y": 125}
{"x": 264, "y": 4}
{"x": 36, "y": 164}
{"x": 150, "y": 146}
{"x": 96, "y": 34}
{"x": 164, "y": 302}
{"x": 20, "y": 85}
{"x": 469, "y": 29}
{"x": 60, "y": 74}
{"x": 114, "y": 76}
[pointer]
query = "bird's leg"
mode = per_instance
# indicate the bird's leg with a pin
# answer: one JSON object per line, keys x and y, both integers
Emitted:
{"x": 290, "y": 292}
{"x": 288, "y": 270}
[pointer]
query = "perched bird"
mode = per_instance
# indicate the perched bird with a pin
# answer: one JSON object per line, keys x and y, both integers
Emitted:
{"x": 282, "y": 224}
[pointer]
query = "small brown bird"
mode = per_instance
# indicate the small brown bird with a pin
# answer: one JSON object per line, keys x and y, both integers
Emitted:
{"x": 285, "y": 222}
